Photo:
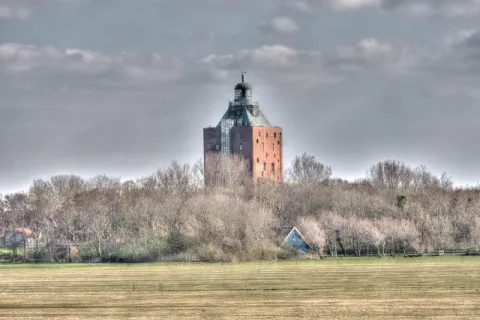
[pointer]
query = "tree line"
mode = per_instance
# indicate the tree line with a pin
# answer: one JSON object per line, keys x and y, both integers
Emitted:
{"x": 173, "y": 215}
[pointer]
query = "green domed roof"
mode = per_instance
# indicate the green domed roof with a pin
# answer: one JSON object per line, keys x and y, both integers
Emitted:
{"x": 243, "y": 86}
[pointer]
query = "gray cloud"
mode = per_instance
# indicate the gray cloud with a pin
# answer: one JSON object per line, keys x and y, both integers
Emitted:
{"x": 22, "y": 9}
{"x": 280, "y": 25}
{"x": 435, "y": 7}
{"x": 13, "y": 13}
{"x": 447, "y": 8}
{"x": 299, "y": 5}
{"x": 204, "y": 33}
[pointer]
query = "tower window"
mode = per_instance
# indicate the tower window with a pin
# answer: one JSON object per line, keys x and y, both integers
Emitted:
{"x": 257, "y": 141}
{"x": 264, "y": 166}
{"x": 258, "y": 160}
{"x": 259, "y": 133}
{"x": 274, "y": 134}
{"x": 266, "y": 135}
{"x": 241, "y": 146}
{"x": 278, "y": 142}
{"x": 273, "y": 167}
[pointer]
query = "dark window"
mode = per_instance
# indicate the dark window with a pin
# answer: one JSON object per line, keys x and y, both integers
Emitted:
{"x": 278, "y": 142}
{"x": 257, "y": 141}
{"x": 266, "y": 135}
{"x": 264, "y": 166}
{"x": 259, "y": 134}
{"x": 258, "y": 160}
{"x": 274, "y": 134}
{"x": 273, "y": 168}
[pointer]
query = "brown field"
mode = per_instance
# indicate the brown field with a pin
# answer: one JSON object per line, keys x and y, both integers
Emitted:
{"x": 364, "y": 288}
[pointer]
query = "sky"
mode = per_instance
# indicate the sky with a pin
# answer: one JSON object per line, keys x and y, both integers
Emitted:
{"x": 122, "y": 87}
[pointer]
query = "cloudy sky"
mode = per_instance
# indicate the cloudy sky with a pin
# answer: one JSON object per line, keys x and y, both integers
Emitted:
{"x": 123, "y": 87}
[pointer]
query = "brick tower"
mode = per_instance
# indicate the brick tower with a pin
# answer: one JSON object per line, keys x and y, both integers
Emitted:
{"x": 245, "y": 131}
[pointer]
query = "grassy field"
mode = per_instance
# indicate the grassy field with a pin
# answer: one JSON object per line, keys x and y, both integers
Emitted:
{"x": 364, "y": 288}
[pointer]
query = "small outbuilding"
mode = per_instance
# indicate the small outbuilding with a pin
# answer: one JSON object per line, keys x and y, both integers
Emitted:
{"x": 291, "y": 238}
{"x": 19, "y": 238}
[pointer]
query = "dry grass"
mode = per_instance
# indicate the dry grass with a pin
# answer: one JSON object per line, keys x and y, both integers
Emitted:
{"x": 401, "y": 288}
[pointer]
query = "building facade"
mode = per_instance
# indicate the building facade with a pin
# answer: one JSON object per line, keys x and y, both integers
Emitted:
{"x": 245, "y": 131}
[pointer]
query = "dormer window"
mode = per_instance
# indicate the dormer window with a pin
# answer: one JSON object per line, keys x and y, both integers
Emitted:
{"x": 238, "y": 94}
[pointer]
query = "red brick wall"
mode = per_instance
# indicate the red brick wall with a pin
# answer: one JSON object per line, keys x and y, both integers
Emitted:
{"x": 252, "y": 140}
{"x": 268, "y": 153}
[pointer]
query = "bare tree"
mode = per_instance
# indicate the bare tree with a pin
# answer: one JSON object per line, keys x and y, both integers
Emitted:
{"x": 313, "y": 230}
{"x": 423, "y": 179}
{"x": 390, "y": 174}
{"x": 172, "y": 212}
{"x": 3, "y": 225}
{"x": 228, "y": 172}
{"x": 17, "y": 213}
{"x": 408, "y": 235}
{"x": 335, "y": 227}
{"x": 305, "y": 169}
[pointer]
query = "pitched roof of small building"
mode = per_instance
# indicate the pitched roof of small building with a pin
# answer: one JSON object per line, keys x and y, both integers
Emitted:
{"x": 25, "y": 231}
{"x": 286, "y": 235}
